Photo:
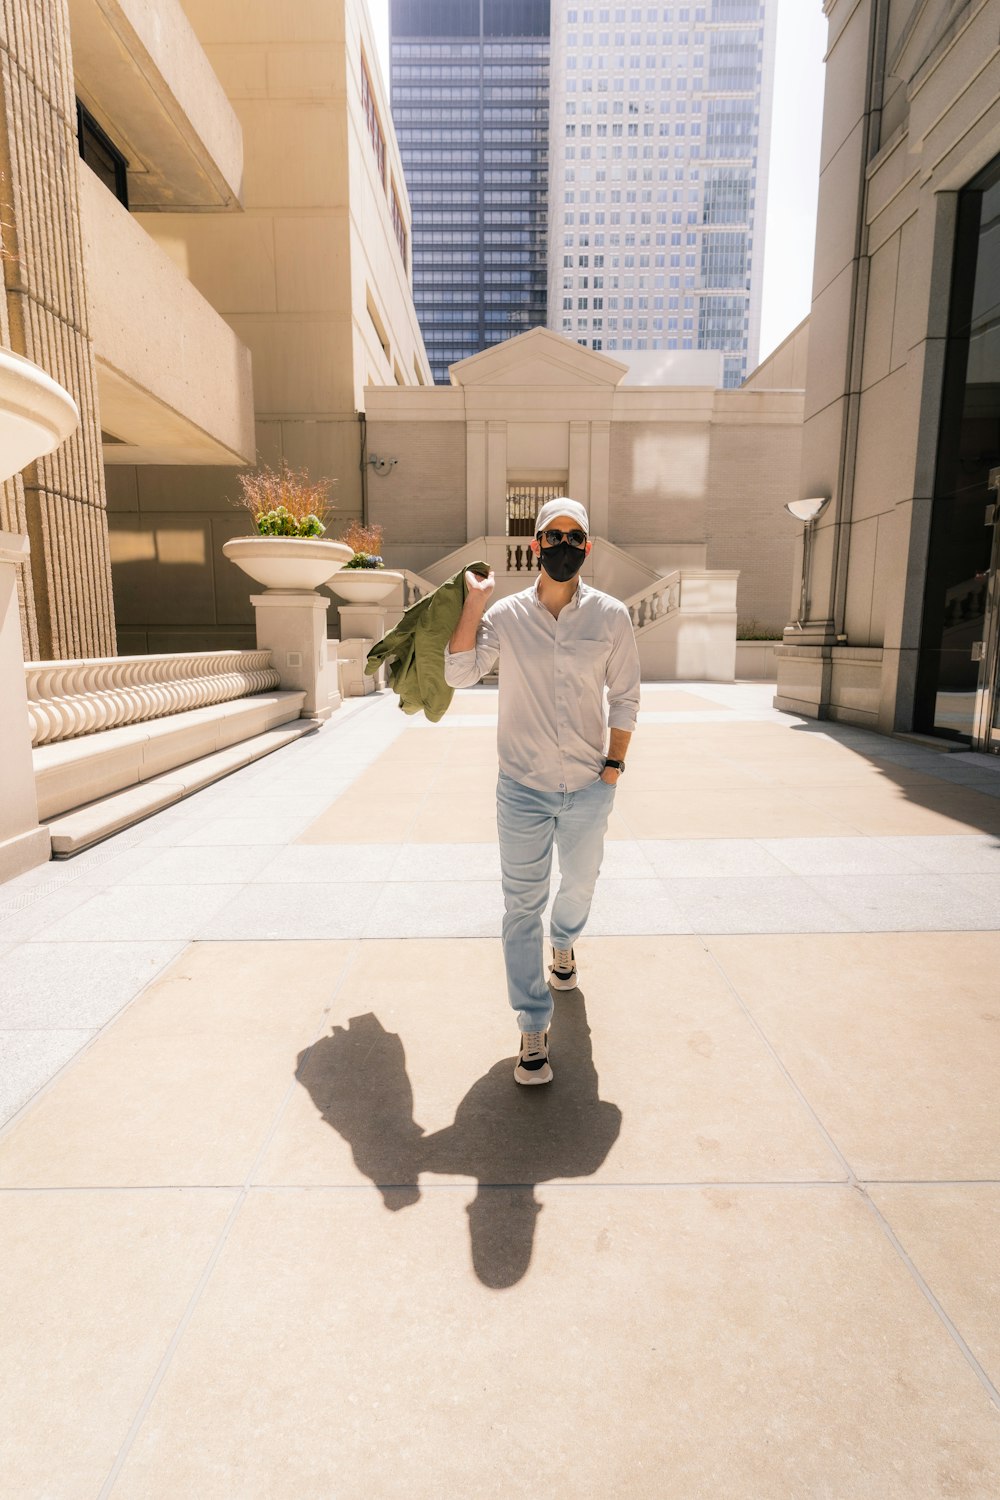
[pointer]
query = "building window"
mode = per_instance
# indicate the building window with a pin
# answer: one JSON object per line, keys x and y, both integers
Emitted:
{"x": 524, "y": 501}
{"x": 101, "y": 154}
{"x": 398, "y": 222}
{"x": 371, "y": 115}
{"x": 958, "y": 557}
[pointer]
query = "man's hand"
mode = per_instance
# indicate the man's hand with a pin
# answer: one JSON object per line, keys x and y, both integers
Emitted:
{"x": 610, "y": 775}
{"x": 481, "y": 588}
{"x": 477, "y": 597}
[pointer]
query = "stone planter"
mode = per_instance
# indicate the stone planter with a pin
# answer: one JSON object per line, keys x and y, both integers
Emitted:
{"x": 288, "y": 563}
{"x": 364, "y": 585}
{"x": 36, "y": 414}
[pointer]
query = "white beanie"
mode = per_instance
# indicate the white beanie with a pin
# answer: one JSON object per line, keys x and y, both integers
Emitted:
{"x": 562, "y": 507}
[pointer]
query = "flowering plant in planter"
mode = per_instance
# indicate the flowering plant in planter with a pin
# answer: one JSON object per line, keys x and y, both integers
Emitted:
{"x": 367, "y": 543}
{"x": 284, "y": 502}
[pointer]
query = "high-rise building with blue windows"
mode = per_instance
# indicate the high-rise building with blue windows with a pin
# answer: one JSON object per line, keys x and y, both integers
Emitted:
{"x": 660, "y": 128}
{"x": 470, "y": 103}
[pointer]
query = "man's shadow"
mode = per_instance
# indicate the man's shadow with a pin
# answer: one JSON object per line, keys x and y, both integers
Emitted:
{"x": 508, "y": 1138}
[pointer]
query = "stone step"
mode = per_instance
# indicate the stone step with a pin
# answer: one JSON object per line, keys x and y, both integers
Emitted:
{"x": 73, "y": 772}
{"x": 73, "y": 831}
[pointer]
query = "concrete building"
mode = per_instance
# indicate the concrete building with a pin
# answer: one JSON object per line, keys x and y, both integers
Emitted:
{"x": 313, "y": 277}
{"x": 674, "y": 477}
{"x": 660, "y": 133}
{"x": 470, "y": 100}
{"x": 106, "y": 108}
{"x": 898, "y": 620}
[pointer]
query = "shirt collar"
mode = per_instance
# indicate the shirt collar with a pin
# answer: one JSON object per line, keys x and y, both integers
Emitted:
{"x": 575, "y": 600}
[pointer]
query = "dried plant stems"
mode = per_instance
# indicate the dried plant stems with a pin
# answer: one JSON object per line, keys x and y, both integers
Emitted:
{"x": 285, "y": 501}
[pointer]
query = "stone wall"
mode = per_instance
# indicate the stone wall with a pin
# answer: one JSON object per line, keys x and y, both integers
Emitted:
{"x": 753, "y": 472}
{"x": 716, "y": 484}
{"x": 422, "y": 500}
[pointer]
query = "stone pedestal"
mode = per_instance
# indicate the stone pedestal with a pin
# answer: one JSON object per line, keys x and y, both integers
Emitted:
{"x": 292, "y": 626}
{"x": 362, "y": 622}
{"x": 353, "y": 654}
{"x": 23, "y": 844}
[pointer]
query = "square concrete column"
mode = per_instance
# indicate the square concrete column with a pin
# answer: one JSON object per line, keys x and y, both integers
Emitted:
{"x": 23, "y": 844}
{"x": 599, "y": 507}
{"x": 362, "y": 622}
{"x": 476, "y": 523}
{"x": 579, "y": 463}
{"x": 496, "y": 479}
{"x": 292, "y": 626}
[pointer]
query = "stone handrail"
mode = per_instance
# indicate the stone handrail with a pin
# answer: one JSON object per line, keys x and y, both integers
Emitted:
{"x": 70, "y": 698}
{"x": 654, "y": 603}
{"x": 415, "y": 586}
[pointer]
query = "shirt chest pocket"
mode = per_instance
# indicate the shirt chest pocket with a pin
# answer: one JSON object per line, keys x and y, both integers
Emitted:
{"x": 587, "y": 659}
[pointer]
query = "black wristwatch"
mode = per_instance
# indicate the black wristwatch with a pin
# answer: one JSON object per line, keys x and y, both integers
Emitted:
{"x": 616, "y": 765}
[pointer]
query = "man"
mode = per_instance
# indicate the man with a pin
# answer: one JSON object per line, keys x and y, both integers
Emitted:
{"x": 561, "y": 644}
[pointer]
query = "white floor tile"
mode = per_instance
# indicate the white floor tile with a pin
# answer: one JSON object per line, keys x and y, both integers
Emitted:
{"x": 28, "y": 1059}
{"x": 140, "y": 913}
{"x": 782, "y": 904}
{"x": 291, "y": 912}
{"x": 74, "y": 985}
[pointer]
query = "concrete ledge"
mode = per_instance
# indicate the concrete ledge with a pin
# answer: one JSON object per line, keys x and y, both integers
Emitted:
{"x": 74, "y": 772}
{"x": 77, "y": 830}
{"x": 830, "y": 682}
{"x": 756, "y": 661}
{"x": 23, "y": 852}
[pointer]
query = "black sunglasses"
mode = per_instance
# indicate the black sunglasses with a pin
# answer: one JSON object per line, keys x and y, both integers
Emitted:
{"x": 552, "y": 538}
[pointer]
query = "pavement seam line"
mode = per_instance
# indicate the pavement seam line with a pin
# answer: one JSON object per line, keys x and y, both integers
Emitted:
{"x": 862, "y": 1190}
{"x": 243, "y": 1193}
{"x": 96, "y": 1033}
{"x": 780, "y": 1064}
{"x": 897, "y": 1245}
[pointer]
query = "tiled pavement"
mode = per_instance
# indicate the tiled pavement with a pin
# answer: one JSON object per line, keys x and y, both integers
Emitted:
{"x": 276, "y": 1222}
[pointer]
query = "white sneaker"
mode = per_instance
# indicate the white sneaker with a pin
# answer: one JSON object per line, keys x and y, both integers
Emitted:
{"x": 533, "y": 1060}
{"x": 562, "y": 969}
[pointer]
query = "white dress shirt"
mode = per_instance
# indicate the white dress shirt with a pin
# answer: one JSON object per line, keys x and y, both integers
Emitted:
{"x": 553, "y": 724}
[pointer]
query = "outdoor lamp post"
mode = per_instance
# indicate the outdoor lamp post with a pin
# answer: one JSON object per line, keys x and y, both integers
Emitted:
{"x": 808, "y": 511}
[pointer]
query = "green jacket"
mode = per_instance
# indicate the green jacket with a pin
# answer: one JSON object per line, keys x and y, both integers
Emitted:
{"x": 415, "y": 648}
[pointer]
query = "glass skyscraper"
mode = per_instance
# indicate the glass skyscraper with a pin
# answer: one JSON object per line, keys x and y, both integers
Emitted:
{"x": 470, "y": 103}
{"x": 660, "y": 133}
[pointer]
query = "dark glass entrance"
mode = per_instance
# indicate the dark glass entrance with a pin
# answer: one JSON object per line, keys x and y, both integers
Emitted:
{"x": 955, "y": 601}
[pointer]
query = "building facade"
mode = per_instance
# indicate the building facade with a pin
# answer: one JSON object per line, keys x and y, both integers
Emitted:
{"x": 470, "y": 101}
{"x": 312, "y": 276}
{"x": 672, "y": 477}
{"x": 660, "y": 132}
{"x": 896, "y": 607}
{"x": 108, "y": 109}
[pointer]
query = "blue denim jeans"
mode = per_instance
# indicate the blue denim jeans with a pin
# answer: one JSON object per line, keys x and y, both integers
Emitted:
{"x": 528, "y": 823}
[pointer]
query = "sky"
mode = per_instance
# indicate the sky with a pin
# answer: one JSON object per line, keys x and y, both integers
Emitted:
{"x": 794, "y": 161}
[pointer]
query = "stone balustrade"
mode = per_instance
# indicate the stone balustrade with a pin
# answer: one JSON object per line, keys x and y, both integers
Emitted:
{"x": 520, "y": 557}
{"x": 71, "y": 698}
{"x": 656, "y": 602}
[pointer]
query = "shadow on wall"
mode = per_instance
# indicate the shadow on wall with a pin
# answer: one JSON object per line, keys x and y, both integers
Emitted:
{"x": 508, "y": 1138}
{"x": 173, "y": 589}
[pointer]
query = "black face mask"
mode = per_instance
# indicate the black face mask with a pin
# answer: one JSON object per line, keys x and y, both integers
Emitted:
{"x": 562, "y": 562}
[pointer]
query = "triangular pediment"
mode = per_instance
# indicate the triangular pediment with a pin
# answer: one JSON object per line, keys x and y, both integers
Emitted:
{"x": 538, "y": 357}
